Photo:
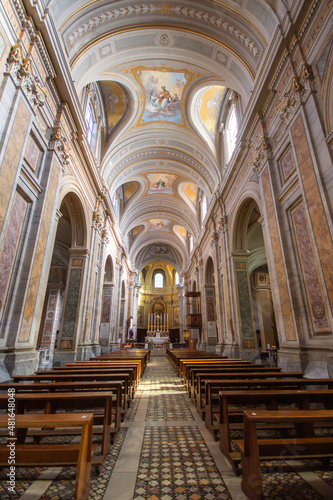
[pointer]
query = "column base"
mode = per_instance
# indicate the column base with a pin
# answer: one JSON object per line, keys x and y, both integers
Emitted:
{"x": 62, "y": 357}
{"x": 87, "y": 351}
{"x": 314, "y": 362}
{"x": 18, "y": 363}
{"x": 113, "y": 346}
{"x": 231, "y": 350}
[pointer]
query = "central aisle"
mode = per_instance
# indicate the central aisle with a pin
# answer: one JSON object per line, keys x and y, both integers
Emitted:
{"x": 167, "y": 453}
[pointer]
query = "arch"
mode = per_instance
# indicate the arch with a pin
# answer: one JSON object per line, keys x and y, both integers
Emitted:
{"x": 78, "y": 211}
{"x": 239, "y": 219}
{"x": 210, "y": 272}
{"x": 123, "y": 290}
{"x": 108, "y": 270}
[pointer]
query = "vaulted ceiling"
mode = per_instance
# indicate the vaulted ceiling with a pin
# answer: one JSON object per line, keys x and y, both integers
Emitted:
{"x": 163, "y": 157}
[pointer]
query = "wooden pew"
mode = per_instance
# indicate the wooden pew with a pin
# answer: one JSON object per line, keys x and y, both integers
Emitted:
{"x": 80, "y": 377}
{"x": 213, "y": 387}
{"x": 306, "y": 444}
{"x": 185, "y": 366}
{"x": 51, "y": 402}
{"x": 117, "y": 388}
{"x": 132, "y": 372}
{"x": 233, "y": 404}
{"x": 200, "y": 374}
{"x": 138, "y": 354}
{"x": 55, "y": 454}
{"x": 176, "y": 355}
{"x": 106, "y": 364}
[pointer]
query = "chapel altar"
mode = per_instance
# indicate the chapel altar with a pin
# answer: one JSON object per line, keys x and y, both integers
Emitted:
{"x": 158, "y": 330}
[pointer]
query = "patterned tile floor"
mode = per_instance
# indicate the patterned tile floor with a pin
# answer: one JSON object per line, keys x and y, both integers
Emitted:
{"x": 176, "y": 464}
{"x": 164, "y": 452}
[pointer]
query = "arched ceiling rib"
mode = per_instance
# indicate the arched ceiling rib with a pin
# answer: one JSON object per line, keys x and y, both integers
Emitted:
{"x": 163, "y": 160}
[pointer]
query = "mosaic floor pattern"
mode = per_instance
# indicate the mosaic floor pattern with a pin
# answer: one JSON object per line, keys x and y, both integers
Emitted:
{"x": 176, "y": 464}
{"x": 168, "y": 407}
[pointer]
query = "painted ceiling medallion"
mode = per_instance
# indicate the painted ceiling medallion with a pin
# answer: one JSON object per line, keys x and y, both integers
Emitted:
{"x": 159, "y": 224}
{"x": 164, "y": 39}
{"x": 161, "y": 183}
{"x": 163, "y": 91}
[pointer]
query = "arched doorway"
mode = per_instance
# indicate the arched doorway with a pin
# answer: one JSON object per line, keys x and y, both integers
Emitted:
{"x": 263, "y": 311}
{"x": 122, "y": 312}
{"x": 60, "y": 324}
{"x": 210, "y": 299}
{"x": 254, "y": 308}
{"x": 105, "y": 329}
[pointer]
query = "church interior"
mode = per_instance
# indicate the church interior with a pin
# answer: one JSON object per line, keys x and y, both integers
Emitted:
{"x": 166, "y": 201}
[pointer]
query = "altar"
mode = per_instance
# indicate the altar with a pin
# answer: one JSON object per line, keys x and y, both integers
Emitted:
{"x": 158, "y": 340}
{"x": 158, "y": 331}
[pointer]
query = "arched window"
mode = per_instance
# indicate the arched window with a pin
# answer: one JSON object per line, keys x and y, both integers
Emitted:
{"x": 91, "y": 125}
{"x": 176, "y": 278}
{"x": 158, "y": 280}
{"x": 231, "y": 131}
{"x": 204, "y": 208}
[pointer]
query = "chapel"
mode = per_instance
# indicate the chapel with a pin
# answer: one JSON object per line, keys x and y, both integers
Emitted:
{"x": 166, "y": 184}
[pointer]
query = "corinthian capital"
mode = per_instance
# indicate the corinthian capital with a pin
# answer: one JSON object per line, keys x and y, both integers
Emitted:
{"x": 21, "y": 69}
{"x": 263, "y": 152}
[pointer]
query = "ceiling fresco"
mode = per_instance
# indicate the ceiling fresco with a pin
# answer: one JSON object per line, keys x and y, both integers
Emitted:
{"x": 115, "y": 102}
{"x": 159, "y": 224}
{"x": 129, "y": 189}
{"x": 159, "y": 251}
{"x": 161, "y": 183}
{"x": 163, "y": 93}
{"x": 163, "y": 71}
{"x": 191, "y": 190}
{"x": 210, "y": 106}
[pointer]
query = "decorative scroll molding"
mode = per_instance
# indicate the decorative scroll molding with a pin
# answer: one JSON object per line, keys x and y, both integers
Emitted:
{"x": 300, "y": 88}
{"x": 60, "y": 144}
{"x": 214, "y": 240}
{"x": 262, "y": 153}
{"x": 213, "y": 20}
{"x": 97, "y": 220}
{"x": 105, "y": 236}
{"x": 223, "y": 224}
{"x": 21, "y": 69}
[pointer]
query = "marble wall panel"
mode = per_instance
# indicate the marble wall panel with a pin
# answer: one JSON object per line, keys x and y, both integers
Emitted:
{"x": 278, "y": 258}
{"x": 244, "y": 304}
{"x": 68, "y": 330}
{"x": 9, "y": 248}
{"x": 287, "y": 164}
{"x": 32, "y": 154}
{"x": 309, "y": 269}
{"x": 12, "y": 155}
{"x": 106, "y": 308}
{"x": 210, "y": 302}
{"x": 314, "y": 203}
{"x": 35, "y": 276}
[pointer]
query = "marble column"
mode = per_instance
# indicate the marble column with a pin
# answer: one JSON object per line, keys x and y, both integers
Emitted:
{"x": 231, "y": 346}
{"x": 244, "y": 319}
{"x": 87, "y": 343}
{"x": 72, "y": 319}
{"x": 105, "y": 327}
{"x": 182, "y": 312}
{"x": 218, "y": 292}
